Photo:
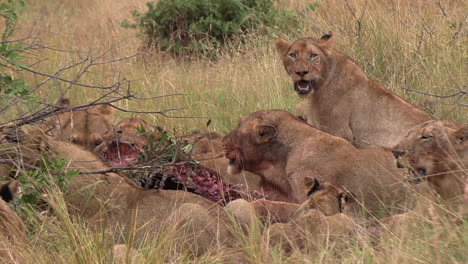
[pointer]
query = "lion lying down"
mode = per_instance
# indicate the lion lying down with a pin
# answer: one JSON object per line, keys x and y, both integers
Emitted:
{"x": 436, "y": 153}
{"x": 82, "y": 127}
{"x": 321, "y": 217}
{"x": 122, "y": 143}
{"x": 284, "y": 150}
{"x": 112, "y": 200}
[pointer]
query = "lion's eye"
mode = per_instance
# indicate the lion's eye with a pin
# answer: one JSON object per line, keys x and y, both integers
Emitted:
{"x": 425, "y": 137}
{"x": 313, "y": 55}
{"x": 292, "y": 55}
{"x": 119, "y": 132}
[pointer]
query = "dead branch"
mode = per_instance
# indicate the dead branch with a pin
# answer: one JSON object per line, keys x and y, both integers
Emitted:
{"x": 460, "y": 94}
{"x": 357, "y": 18}
{"x": 108, "y": 170}
{"x": 109, "y": 94}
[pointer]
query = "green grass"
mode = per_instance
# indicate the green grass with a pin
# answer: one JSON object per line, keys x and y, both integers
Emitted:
{"x": 401, "y": 44}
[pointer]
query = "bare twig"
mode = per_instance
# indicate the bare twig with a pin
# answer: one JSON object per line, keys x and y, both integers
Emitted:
{"x": 358, "y": 19}
{"x": 460, "y": 27}
{"x": 145, "y": 112}
{"x": 461, "y": 92}
{"x": 107, "y": 170}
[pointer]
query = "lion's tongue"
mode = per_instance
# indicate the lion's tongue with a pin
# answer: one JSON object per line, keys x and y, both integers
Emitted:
{"x": 303, "y": 84}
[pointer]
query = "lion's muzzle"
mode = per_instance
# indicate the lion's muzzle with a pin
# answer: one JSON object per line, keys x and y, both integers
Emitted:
{"x": 304, "y": 87}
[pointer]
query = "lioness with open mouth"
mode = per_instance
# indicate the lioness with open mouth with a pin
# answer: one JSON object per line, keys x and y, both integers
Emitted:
{"x": 436, "y": 152}
{"x": 341, "y": 99}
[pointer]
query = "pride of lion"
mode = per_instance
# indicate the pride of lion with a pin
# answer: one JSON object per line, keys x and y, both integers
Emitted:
{"x": 314, "y": 181}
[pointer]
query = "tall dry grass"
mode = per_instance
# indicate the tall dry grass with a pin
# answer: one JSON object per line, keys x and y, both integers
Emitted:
{"x": 419, "y": 45}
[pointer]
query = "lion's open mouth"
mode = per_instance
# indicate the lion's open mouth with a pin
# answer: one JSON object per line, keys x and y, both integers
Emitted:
{"x": 304, "y": 87}
{"x": 416, "y": 177}
{"x": 121, "y": 154}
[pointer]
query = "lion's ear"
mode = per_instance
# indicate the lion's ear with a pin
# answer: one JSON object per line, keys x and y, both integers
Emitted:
{"x": 282, "y": 46}
{"x": 461, "y": 134}
{"x": 106, "y": 109}
{"x": 349, "y": 197}
{"x": 345, "y": 198}
{"x": 266, "y": 133}
{"x": 312, "y": 184}
{"x": 62, "y": 101}
{"x": 8, "y": 191}
{"x": 326, "y": 42}
{"x": 26, "y": 135}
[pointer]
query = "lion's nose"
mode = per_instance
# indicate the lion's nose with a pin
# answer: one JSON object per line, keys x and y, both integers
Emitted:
{"x": 397, "y": 153}
{"x": 302, "y": 73}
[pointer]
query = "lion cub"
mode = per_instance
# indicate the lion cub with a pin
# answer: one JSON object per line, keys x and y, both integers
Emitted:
{"x": 325, "y": 197}
{"x": 81, "y": 127}
{"x": 320, "y": 217}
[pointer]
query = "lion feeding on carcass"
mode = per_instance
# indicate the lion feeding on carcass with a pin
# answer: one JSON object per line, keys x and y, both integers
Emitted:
{"x": 283, "y": 150}
{"x": 113, "y": 201}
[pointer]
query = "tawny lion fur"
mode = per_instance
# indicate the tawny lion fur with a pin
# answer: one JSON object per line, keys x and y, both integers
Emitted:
{"x": 435, "y": 153}
{"x": 114, "y": 201}
{"x": 342, "y": 100}
{"x": 82, "y": 127}
{"x": 208, "y": 150}
{"x": 284, "y": 150}
{"x": 321, "y": 217}
{"x": 12, "y": 231}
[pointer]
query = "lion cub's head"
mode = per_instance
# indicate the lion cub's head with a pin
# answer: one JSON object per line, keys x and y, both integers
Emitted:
{"x": 121, "y": 144}
{"x": 81, "y": 127}
{"x": 305, "y": 60}
{"x": 434, "y": 151}
{"x": 325, "y": 197}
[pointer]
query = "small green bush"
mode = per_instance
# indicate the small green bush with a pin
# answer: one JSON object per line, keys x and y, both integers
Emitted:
{"x": 188, "y": 27}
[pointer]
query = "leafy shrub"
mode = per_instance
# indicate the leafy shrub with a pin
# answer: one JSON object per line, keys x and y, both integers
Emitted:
{"x": 188, "y": 27}
{"x": 35, "y": 183}
{"x": 11, "y": 57}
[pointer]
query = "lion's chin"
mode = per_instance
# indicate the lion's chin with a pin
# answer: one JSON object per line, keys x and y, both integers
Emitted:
{"x": 233, "y": 169}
